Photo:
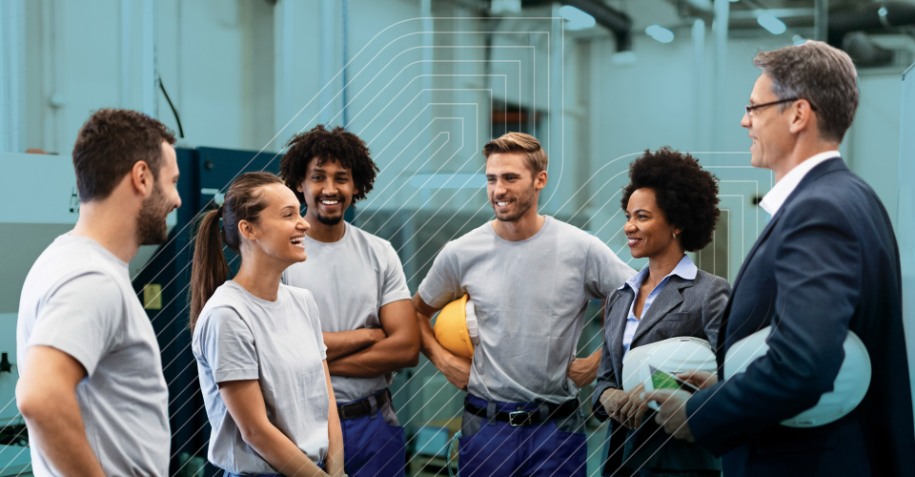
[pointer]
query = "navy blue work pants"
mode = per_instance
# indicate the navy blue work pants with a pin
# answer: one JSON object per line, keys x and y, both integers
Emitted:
{"x": 489, "y": 447}
{"x": 373, "y": 447}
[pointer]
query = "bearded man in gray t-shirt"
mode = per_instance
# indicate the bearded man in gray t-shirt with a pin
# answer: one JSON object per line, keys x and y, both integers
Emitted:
{"x": 91, "y": 387}
{"x": 530, "y": 278}
{"x": 363, "y": 301}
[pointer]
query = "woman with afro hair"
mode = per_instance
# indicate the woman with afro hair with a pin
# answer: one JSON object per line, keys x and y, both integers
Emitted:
{"x": 671, "y": 207}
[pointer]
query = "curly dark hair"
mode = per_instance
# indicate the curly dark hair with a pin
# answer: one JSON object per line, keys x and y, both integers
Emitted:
{"x": 686, "y": 193}
{"x": 334, "y": 145}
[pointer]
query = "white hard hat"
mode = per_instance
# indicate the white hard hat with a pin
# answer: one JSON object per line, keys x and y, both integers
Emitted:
{"x": 848, "y": 390}
{"x": 674, "y": 355}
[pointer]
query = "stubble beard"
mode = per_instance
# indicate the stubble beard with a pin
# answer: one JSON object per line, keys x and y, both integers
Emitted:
{"x": 151, "y": 226}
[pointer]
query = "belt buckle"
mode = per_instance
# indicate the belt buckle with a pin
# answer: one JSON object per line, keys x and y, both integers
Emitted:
{"x": 518, "y": 418}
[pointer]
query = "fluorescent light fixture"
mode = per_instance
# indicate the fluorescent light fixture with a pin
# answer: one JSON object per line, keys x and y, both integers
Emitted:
{"x": 500, "y": 7}
{"x": 577, "y": 19}
{"x": 771, "y": 23}
{"x": 798, "y": 40}
{"x": 659, "y": 33}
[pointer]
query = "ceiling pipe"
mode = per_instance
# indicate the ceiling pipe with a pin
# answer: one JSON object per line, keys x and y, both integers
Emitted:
{"x": 843, "y": 26}
{"x": 848, "y": 28}
{"x": 618, "y": 22}
{"x": 871, "y": 18}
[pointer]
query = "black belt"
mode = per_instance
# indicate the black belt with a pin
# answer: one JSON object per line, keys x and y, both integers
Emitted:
{"x": 363, "y": 407}
{"x": 522, "y": 417}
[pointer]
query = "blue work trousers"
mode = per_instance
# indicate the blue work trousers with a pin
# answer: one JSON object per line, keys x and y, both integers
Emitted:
{"x": 373, "y": 447}
{"x": 489, "y": 447}
{"x": 226, "y": 473}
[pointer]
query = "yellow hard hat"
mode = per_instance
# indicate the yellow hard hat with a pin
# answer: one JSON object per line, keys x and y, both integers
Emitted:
{"x": 456, "y": 327}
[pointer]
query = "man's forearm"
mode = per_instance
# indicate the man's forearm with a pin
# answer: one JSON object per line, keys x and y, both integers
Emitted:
{"x": 344, "y": 343}
{"x": 46, "y": 396}
{"x": 429, "y": 346}
{"x": 386, "y": 356}
{"x": 57, "y": 430}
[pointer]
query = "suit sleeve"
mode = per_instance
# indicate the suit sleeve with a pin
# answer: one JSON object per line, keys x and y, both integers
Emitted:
{"x": 815, "y": 275}
{"x": 713, "y": 309}
{"x": 606, "y": 377}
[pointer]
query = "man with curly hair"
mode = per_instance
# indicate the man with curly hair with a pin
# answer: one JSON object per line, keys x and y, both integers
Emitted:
{"x": 363, "y": 300}
{"x": 530, "y": 278}
{"x": 91, "y": 387}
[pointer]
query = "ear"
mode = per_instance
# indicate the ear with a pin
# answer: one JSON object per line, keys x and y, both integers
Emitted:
{"x": 540, "y": 180}
{"x": 141, "y": 178}
{"x": 246, "y": 230}
{"x": 299, "y": 188}
{"x": 802, "y": 117}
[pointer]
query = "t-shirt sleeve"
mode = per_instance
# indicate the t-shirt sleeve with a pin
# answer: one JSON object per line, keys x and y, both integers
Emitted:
{"x": 228, "y": 345}
{"x": 82, "y": 317}
{"x": 442, "y": 284}
{"x": 394, "y": 287}
{"x": 605, "y": 272}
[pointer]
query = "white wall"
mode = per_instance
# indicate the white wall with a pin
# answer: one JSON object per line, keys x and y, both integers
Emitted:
{"x": 660, "y": 99}
{"x": 905, "y": 219}
{"x": 872, "y": 145}
{"x": 247, "y": 74}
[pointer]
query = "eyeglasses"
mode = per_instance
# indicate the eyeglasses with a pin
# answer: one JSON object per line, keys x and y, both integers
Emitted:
{"x": 752, "y": 107}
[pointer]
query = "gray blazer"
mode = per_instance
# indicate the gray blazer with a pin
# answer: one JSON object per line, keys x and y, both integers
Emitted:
{"x": 683, "y": 308}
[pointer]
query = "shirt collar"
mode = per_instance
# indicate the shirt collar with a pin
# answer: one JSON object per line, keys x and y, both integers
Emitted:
{"x": 685, "y": 269}
{"x": 782, "y": 189}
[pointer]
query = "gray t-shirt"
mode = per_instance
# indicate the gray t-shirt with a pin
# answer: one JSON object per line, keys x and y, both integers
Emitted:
{"x": 242, "y": 337}
{"x": 78, "y": 299}
{"x": 351, "y": 279}
{"x": 530, "y": 298}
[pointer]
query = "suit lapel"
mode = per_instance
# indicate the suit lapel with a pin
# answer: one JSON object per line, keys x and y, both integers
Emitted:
{"x": 618, "y": 312}
{"x": 670, "y": 297}
{"x": 623, "y": 301}
{"x": 814, "y": 174}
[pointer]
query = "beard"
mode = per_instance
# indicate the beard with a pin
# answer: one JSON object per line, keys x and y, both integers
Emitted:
{"x": 151, "y": 226}
{"x": 522, "y": 205}
{"x": 328, "y": 220}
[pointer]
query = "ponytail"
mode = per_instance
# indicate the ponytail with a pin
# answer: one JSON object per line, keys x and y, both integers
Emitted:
{"x": 243, "y": 201}
{"x": 209, "y": 269}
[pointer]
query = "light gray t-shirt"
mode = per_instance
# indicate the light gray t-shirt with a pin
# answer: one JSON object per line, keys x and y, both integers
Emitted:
{"x": 530, "y": 298}
{"x": 78, "y": 299}
{"x": 242, "y": 337}
{"x": 351, "y": 279}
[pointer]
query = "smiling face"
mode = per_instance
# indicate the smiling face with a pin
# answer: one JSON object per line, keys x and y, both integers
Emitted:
{"x": 768, "y": 127}
{"x": 512, "y": 188}
{"x": 328, "y": 189}
{"x": 151, "y": 221}
{"x": 648, "y": 232}
{"x": 280, "y": 229}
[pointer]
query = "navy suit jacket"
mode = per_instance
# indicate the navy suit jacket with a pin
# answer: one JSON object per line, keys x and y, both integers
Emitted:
{"x": 826, "y": 263}
{"x": 682, "y": 308}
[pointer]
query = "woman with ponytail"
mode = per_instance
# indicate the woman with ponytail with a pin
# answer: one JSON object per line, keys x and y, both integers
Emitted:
{"x": 258, "y": 346}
